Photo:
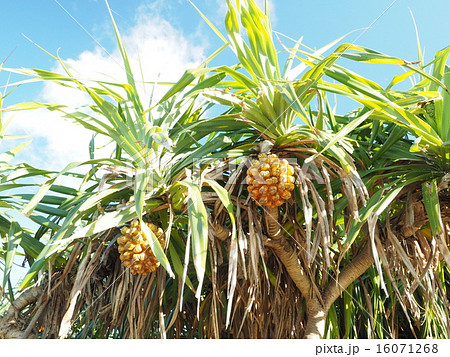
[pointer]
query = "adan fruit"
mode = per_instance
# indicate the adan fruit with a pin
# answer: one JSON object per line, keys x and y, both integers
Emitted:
{"x": 270, "y": 180}
{"x": 134, "y": 249}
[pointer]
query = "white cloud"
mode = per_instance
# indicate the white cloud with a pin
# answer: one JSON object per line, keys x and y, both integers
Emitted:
{"x": 153, "y": 45}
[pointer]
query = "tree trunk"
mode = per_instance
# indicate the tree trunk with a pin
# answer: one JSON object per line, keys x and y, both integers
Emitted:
{"x": 316, "y": 312}
{"x": 317, "y": 315}
{"x": 12, "y": 326}
{"x": 318, "y": 302}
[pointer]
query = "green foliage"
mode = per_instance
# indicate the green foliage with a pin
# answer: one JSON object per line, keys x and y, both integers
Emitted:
{"x": 361, "y": 177}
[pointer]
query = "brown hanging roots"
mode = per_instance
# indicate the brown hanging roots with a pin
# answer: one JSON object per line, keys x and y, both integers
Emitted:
{"x": 270, "y": 180}
{"x": 134, "y": 249}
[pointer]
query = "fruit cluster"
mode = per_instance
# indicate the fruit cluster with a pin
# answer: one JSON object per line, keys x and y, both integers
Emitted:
{"x": 134, "y": 249}
{"x": 270, "y": 180}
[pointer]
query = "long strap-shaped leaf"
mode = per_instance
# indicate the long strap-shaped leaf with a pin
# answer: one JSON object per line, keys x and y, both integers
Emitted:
{"x": 225, "y": 198}
{"x": 156, "y": 248}
{"x": 198, "y": 225}
{"x": 132, "y": 90}
{"x": 347, "y": 129}
{"x": 432, "y": 206}
{"x": 13, "y": 241}
{"x": 50, "y": 183}
{"x": 54, "y": 244}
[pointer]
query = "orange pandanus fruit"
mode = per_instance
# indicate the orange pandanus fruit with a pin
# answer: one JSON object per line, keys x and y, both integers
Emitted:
{"x": 134, "y": 249}
{"x": 270, "y": 180}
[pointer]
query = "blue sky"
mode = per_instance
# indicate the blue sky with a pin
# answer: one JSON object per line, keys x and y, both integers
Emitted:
{"x": 170, "y": 36}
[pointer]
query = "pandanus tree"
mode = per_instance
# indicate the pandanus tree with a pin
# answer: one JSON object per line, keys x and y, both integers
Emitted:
{"x": 281, "y": 218}
{"x": 409, "y": 144}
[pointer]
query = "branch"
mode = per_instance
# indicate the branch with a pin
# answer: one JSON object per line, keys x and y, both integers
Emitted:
{"x": 222, "y": 233}
{"x": 274, "y": 228}
{"x": 351, "y": 272}
{"x": 28, "y": 297}
{"x": 10, "y": 326}
{"x": 288, "y": 256}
